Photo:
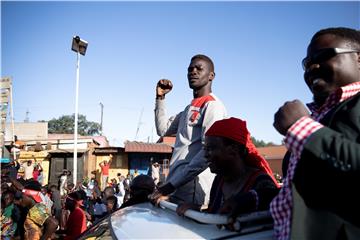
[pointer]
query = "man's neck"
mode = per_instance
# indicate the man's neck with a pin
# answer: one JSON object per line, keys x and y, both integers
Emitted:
{"x": 201, "y": 92}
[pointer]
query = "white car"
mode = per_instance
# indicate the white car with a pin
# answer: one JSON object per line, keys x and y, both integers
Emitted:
{"x": 146, "y": 221}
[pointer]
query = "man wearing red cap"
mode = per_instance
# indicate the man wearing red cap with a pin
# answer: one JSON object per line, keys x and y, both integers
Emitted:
{"x": 38, "y": 224}
{"x": 244, "y": 181}
{"x": 189, "y": 178}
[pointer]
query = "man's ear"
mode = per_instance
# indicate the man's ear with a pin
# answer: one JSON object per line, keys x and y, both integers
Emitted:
{"x": 211, "y": 76}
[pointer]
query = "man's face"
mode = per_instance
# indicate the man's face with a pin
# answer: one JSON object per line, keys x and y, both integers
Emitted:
{"x": 199, "y": 74}
{"x": 323, "y": 78}
{"x": 23, "y": 201}
{"x": 109, "y": 206}
{"x": 217, "y": 156}
{"x": 8, "y": 199}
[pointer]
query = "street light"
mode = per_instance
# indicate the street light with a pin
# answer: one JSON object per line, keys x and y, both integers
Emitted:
{"x": 79, "y": 46}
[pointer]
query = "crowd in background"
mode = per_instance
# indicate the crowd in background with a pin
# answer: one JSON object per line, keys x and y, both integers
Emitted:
{"x": 30, "y": 210}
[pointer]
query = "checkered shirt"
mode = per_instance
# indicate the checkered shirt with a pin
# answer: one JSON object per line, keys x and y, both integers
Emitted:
{"x": 296, "y": 137}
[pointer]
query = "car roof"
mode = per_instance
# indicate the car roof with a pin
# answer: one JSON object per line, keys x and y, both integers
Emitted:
{"x": 148, "y": 221}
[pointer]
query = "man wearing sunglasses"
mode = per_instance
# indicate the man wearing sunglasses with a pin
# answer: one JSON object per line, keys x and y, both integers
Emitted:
{"x": 321, "y": 195}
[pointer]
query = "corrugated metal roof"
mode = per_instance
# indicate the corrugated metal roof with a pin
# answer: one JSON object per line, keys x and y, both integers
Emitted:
{"x": 147, "y": 147}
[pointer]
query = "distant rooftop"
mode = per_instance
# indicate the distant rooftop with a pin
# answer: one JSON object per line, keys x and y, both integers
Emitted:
{"x": 167, "y": 140}
{"x": 273, "y": 152}
{"x": 102, "y": 140}
{"x": 147, "y": 147}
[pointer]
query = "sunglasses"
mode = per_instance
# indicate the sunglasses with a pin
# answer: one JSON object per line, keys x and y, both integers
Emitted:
{"x": 324, "y": 55}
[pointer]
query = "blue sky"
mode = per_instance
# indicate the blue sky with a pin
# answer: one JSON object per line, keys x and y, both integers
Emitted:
{"x": 257, "y": 48}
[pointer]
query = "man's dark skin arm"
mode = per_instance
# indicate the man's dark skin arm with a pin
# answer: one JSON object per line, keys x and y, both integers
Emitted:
{"x": 284, "y": 118}
{"x": 50, "y": 226}
{"x": 17, "y": 185}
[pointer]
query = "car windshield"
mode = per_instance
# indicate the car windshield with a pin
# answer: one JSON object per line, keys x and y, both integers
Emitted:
{"x": 100, "y": 230}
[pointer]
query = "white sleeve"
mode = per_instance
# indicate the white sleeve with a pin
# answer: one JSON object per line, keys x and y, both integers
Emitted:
{"x": 165, "y": 126}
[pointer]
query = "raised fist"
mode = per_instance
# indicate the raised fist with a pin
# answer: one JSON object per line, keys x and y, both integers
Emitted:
{"x": 163, "y": 87}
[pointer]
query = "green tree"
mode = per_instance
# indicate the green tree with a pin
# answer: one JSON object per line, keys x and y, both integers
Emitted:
{"x": 261, "y": 143}
{"x": 65, "y": 124}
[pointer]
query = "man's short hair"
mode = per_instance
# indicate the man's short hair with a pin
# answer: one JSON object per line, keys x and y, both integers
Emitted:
{"x": 77, "y": 196}
{"x": 70, "y": 185}
{"x": 112, "y": 199}
{"x": 109, "y": 191}
{"x": 352, "y": 36}
{"x": 142, "y": 183}
{"x": 205, "y": 58}
{"x": 32, "y": 184}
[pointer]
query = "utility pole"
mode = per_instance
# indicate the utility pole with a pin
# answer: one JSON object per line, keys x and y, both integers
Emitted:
{"x": 6, "y": 101}
{"x": 101, "y": 119}
{"x": 27, "y": 116}
{"x": 139, "y": 123}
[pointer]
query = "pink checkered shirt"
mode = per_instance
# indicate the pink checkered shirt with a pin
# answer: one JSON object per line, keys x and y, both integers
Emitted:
{"x": 298, "y": 133}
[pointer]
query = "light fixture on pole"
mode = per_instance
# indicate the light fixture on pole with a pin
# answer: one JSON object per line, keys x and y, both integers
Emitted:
{"x": 79, "y": 46}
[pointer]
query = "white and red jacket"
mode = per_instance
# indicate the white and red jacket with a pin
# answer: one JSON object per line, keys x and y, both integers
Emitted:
{"x": 189, "y": 172}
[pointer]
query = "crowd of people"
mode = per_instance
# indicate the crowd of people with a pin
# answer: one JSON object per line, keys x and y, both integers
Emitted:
{"x": 32, "y": 211}
{"x": 216, "y": 168}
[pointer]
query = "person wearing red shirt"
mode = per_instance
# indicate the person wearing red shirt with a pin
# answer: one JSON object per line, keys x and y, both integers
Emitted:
{"x": 37, "y": 171}
{"x": 76, "y": 223}
{"x": 105, "y": 165}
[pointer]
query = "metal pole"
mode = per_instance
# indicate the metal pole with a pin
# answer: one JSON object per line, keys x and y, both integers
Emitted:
{"x": 101, "y": 121}
{"x": 76, "y": 117}
{"x": 12, "y": 119}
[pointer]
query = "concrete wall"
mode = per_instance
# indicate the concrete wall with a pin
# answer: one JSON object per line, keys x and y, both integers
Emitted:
{"x": 27, "y": 131}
